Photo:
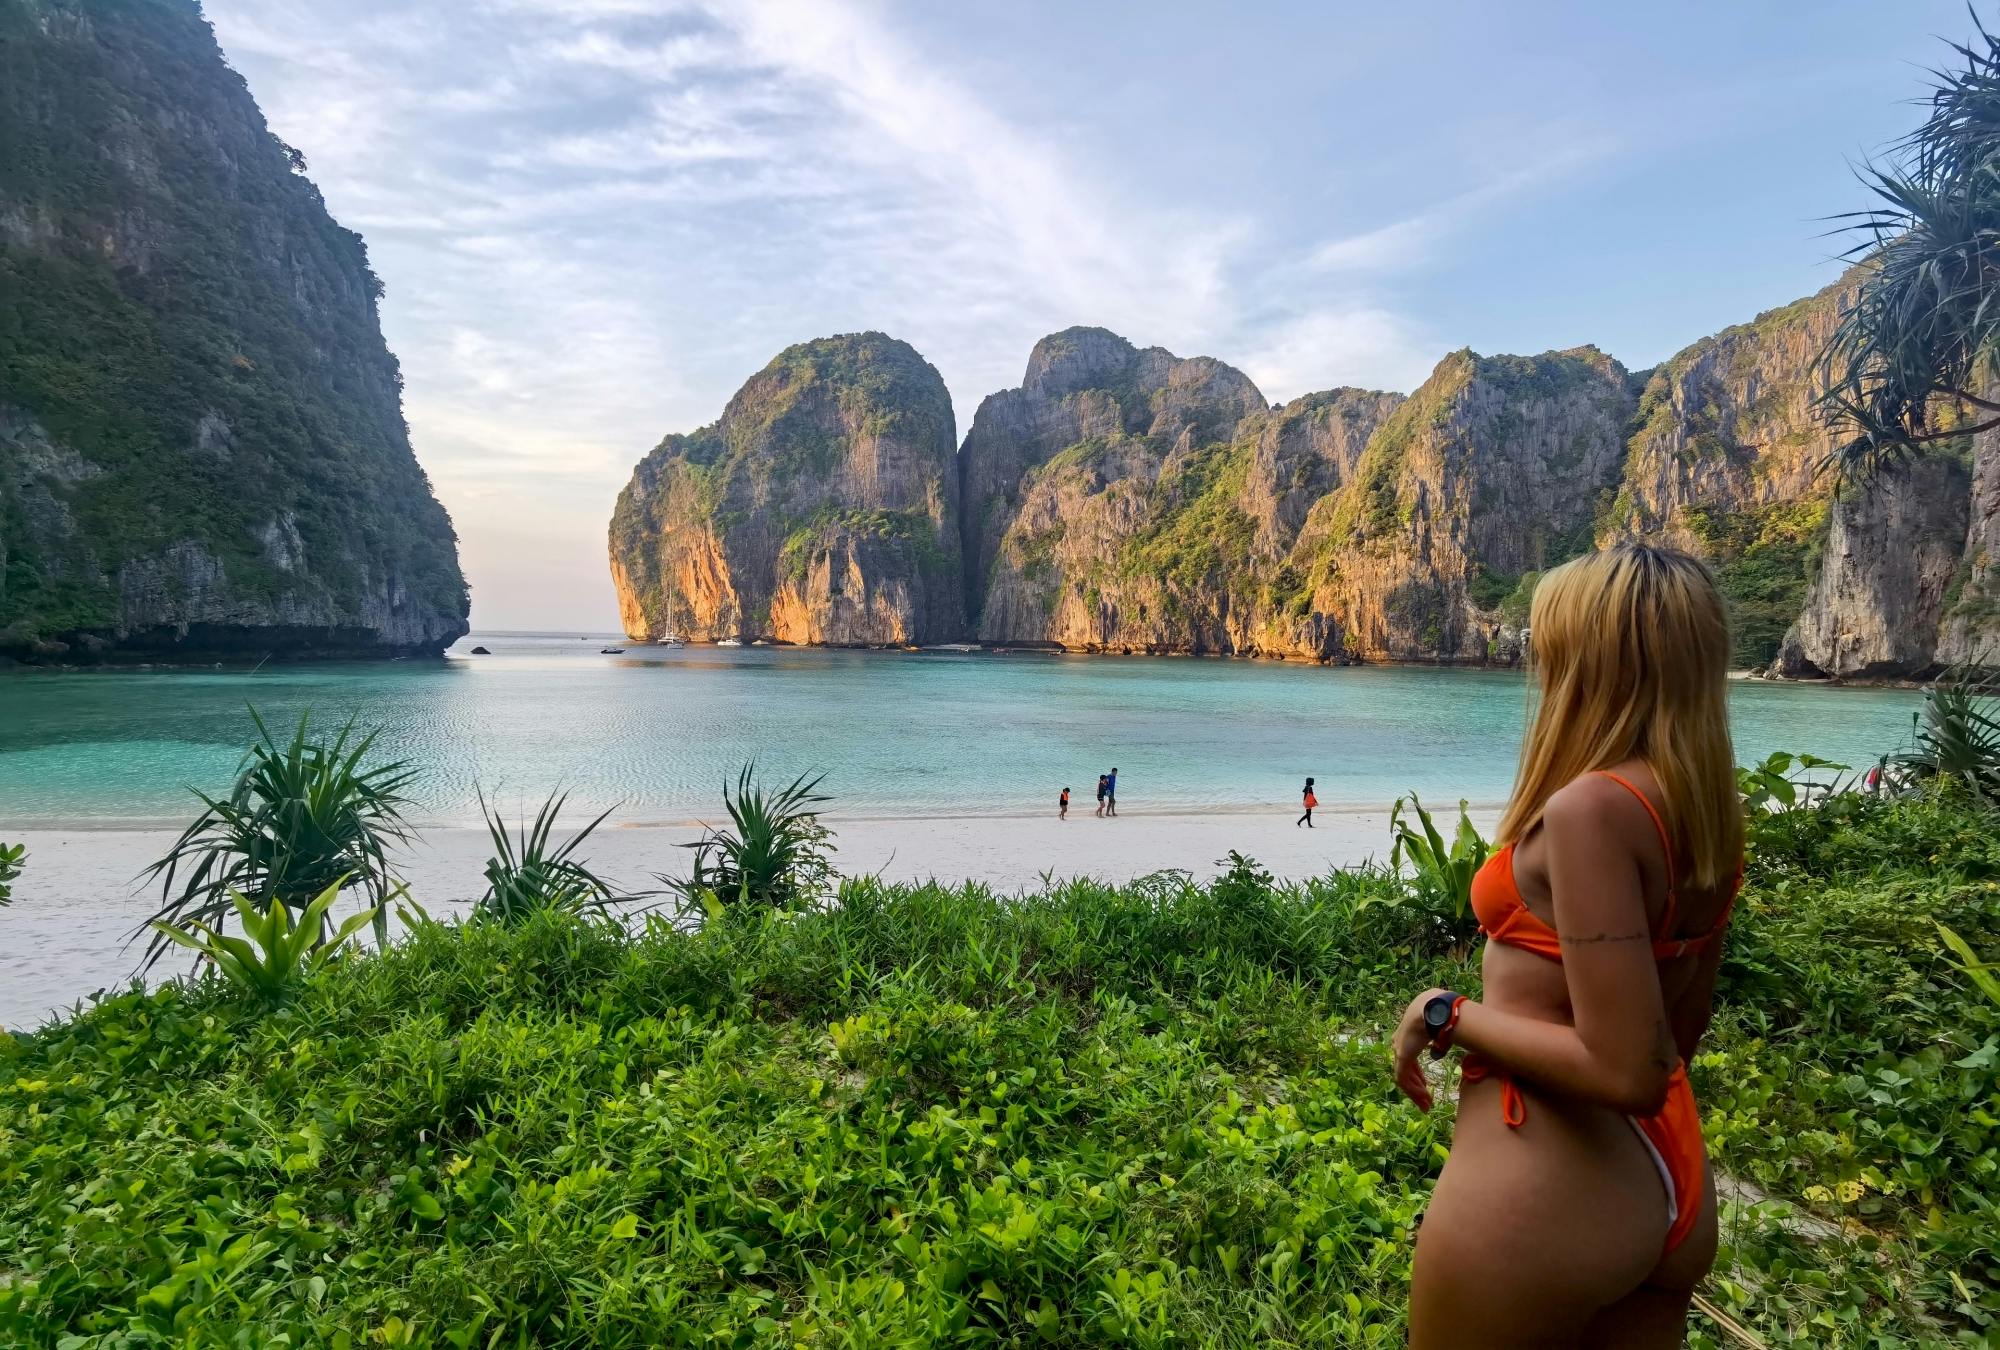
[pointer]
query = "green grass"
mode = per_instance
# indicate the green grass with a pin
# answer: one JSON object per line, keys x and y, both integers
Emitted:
{"x": 1151, "y": 1114}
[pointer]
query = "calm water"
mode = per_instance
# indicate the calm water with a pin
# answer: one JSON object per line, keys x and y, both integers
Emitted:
{"x": 655, "y": 731}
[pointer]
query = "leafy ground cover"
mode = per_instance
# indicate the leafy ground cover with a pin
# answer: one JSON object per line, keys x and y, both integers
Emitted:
{"x": 1153, "y": 1114}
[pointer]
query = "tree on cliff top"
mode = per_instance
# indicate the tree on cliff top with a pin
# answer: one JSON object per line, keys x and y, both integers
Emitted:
{"x": 1911, "y": 357}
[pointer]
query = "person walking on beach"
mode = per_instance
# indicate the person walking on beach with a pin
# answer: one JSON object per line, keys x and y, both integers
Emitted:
{"x": 1062, "y": 811}
{"x": 1310, "y": 802}
{"x": 1100, "y": 794}
{"x": 1111, "y": 792}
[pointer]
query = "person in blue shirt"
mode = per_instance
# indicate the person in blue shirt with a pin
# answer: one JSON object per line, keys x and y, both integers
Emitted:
{"x": 1111, "y": 792}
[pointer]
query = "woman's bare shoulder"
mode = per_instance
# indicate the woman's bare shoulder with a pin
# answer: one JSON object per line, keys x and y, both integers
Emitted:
{"x": 1599, "y": 802}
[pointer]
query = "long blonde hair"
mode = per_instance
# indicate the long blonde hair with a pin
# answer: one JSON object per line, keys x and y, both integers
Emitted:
{"x": 1630, "y": 651}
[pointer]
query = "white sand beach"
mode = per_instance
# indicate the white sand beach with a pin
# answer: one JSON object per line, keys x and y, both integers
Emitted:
{"x": 79, "y": 899}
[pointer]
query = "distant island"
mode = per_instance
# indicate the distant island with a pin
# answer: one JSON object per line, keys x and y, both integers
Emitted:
{"x": 1125, "y": 499}
{"x": 202, "y": 446}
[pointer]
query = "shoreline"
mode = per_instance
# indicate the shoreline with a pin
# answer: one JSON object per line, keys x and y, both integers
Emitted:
{"x": 238, "y": 664}
{"x": 579, "y": 812}
{"x": 79, "y": 899}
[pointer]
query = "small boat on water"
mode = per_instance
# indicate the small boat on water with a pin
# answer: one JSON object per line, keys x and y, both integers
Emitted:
{"x": 670, "y": 640}
{"x": 729, "y": 642}
{"x": 759, "y": 642}
{"x": 610, "y": 651}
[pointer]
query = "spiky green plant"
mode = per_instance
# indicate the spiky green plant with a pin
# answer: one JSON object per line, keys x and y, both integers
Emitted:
{"x": 274, "y": 954}
{"x": 774, "y": 856}
{"x": 1911, "y": 361}
{"x": 526, "y": 874}
{"x": 1985, "y": 975}
{"x": 301, "y": 817}
{"x": 10, "y": 869}
{"x": 1446, "y": 870}
{"x": 1957, "y": 734}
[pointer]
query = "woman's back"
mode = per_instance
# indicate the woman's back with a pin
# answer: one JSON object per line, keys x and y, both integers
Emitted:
{"x": 1687, "y": 981}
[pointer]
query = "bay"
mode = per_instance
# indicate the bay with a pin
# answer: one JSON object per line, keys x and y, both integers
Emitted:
{"x": 653, "y": 733}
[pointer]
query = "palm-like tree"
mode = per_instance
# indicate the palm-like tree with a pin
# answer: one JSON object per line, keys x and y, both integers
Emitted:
{"x": 302, "y": 817}
{"x": 1912, "y": 361}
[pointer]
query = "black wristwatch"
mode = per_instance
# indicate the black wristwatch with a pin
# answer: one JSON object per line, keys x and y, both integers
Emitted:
{"x": 1440, "y": 1020}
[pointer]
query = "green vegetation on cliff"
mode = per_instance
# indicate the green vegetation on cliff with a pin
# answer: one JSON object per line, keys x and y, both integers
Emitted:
{"x": 196, "y": 340}
{"x": 1764, "y": 560}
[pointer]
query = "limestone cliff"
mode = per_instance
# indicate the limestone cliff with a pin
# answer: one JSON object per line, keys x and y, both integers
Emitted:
{"x": 1493, "y": 470}
{"x": 1728, "y": 458}
{"x": 1084, "y": 387}
{"x": 1164, "y": 522}
{"x": 1127, "y": 499}
{"x": 202, "y": 447}
{"x": 1970, "y": 629}
{"x": 821, "y": 508}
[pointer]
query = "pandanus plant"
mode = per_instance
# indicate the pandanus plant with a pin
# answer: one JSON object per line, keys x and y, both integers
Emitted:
{"x": 774, "y": 856}
{"x": 303, "y": 817}
{"x": 1957, "y": 737}
{"x": 1911, "y": 362}
{"x": 528, "y": 874}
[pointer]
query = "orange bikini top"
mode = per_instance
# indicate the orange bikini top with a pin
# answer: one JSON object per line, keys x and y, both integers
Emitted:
{"x": 1505, "y": 918}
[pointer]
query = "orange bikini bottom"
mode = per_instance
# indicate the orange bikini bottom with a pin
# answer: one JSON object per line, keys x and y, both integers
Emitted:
{"x": 1672, "y": 1137}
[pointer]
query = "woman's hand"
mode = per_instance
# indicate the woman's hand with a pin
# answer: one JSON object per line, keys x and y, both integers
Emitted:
{"x": 1412, "y": 1039}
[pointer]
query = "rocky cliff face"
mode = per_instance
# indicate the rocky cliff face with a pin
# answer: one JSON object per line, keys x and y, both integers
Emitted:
{"x": 1494, "y": 470}
{"x": 1727, "y": 458}
{"x": 202, "y": 448}
{"x": 821, "y": 508}
{"x": 1084, "y": 387}
{"x": 1126, "y": 499}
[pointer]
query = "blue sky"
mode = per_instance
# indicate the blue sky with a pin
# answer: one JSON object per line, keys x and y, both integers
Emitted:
{"x": 596, "y": 218}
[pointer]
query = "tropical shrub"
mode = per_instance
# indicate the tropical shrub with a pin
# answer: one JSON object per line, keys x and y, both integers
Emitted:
{"x": 1957, "y": 735}
{"x": 273, "y": 954}
{"x": 302, "y": 817}
{"x": 1147, "y": 1114}
{"x": 1781, "y": 783}
{"x": 774, "y": 855}
{"x": 1985, "y": 975}
{"x": 10, "y": 869}
{"x": 1443, "y": 871}
{"x": 526, "y": 874}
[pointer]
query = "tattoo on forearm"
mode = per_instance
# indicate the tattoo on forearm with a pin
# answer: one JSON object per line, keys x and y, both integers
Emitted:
{"x": 1590, "y": 939}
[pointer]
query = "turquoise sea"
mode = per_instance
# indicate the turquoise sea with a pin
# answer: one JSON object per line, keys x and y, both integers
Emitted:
{"x": 654, "y": 732}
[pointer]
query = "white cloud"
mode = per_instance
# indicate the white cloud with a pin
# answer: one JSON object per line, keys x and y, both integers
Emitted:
{"x": 595, "y": 218}
{"x": 1361, "y": 345}
{"x": 1415, "y": 238}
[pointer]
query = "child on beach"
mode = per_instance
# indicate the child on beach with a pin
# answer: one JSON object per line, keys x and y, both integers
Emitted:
{"x": 1062, "y": 812}
{"x": 1100, "y": 795}
{"x": 1310, "y": 802}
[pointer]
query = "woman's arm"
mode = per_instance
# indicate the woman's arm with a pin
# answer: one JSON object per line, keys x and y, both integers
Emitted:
{"x": 1621, "y": 1051}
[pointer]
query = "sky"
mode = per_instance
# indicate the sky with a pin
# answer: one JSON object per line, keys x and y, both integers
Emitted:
{"x": 596, "y": 218}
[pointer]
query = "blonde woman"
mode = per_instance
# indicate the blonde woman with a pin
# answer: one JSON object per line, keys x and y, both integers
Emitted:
{"x": 1577, "y": 1208}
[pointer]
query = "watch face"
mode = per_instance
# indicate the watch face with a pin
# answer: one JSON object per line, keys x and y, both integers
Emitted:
{"x": 1437, "y": 1012}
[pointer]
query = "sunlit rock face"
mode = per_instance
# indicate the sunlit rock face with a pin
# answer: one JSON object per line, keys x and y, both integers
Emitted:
{"x": 822, "y": 507}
